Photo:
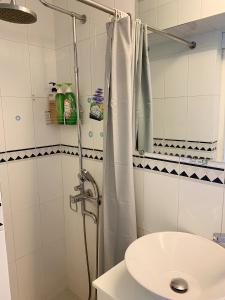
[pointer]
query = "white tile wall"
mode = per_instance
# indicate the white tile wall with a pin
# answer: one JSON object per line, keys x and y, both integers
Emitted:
{"x": 167, "y": 13}
{"x": 44, "y": 134}
{"x": 150, "y": 17}
{"x": 52, "y": 221}
{"x": 14, "y": 60}
{"x": 200, "y": 208}
{"x": 68, "y": 135}
{"x": 176, "y": 76}
{"x": 210, "y": 8}
{"x": 28, "y": 63}
{"x": 158, "y": 68}
{"x": 199, "y": 126}
{"x": 49, "y": 178}
{"x": 189, "y": 10}
{"x": 98, "y": 45}
{"x": 41, "y": 33}
{"x": 43, "y": 69}
{"x": 62, "y": 26}
{"x": 98, "y": 21}
{"x": 83, "y": 30}
{"x": 30, "y": 276}
{"x": 204, "y": 80}
{"x": 24, "y": 189}
{"x": 73, "y": 230}
{"x": 54, "y": 269}
{"x": 64, "y": 65}
{"x": 27, "y": 230}
{"x": 185, "y": 84}
{"x": 159, "y": 120}
{"x": 13, "y": 279}
{"x": 160, "y": 202}
{"x": 147, "y": 5}
{"x": 18, "y": 122}
{"x": 37, "y": 216}
{"x": 172, "y": 203}
{"x": 175, "y": 115}
{"x": 84, "y": 50}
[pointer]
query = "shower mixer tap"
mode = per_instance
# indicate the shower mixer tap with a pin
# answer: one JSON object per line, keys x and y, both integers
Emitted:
{"x": 84, "y": 195}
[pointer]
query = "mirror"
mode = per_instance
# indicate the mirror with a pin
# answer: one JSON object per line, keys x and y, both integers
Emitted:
{"x": 188, "y": 91}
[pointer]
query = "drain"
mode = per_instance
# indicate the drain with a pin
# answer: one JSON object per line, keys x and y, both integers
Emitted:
{"x": 179, "y": 285}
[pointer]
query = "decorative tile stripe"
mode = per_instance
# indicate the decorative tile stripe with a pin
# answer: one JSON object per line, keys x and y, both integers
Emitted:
{"x": 182, "y": 148}
{"x": 22, "y": 154}
{"x": 208, "y": 172}
{"x": 86, "y": 152}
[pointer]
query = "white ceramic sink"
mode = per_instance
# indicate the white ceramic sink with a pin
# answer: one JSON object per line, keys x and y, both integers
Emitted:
{"x": 156, "y": 259}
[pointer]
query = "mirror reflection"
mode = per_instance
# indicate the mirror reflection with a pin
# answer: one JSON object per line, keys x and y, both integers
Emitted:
{"x": 187, "y": 91}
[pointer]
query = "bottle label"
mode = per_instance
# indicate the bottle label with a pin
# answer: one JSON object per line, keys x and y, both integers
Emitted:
{"x": 67, "y": 109}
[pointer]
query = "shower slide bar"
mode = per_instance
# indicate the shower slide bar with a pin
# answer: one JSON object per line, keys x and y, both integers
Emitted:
{"x": 112, "y": 12}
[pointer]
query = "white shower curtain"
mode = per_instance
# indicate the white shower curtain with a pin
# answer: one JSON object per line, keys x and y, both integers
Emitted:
{"x": 119, "y": 220}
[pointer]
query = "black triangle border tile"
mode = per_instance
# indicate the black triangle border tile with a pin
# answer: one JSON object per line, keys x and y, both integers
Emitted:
{"x": 165, "y": 165}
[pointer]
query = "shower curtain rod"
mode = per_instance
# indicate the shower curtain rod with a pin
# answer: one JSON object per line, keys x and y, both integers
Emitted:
{"x": 82, "y": 18}
{"x": 112, "y": 12}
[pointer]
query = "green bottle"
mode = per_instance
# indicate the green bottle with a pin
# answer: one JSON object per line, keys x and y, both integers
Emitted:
{"x": 59, "y": 99}
{"x": 70, "y": 111}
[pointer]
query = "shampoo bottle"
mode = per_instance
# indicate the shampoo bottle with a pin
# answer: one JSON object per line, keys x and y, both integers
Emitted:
{"x": 70, "y": 111}
{"x": 59, "y": 99}
{"x": 52, "y": 104}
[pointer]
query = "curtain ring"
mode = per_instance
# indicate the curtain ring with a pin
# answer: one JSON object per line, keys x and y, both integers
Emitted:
{"x": 117, "y": 14}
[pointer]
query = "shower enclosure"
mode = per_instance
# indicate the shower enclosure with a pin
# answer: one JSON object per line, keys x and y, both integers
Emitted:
{"x": 34, "y": 272}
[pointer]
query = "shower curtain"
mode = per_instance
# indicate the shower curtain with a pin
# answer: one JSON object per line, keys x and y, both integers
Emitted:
{"x": 143, "y": 91}
{"x": 119, "y": 214}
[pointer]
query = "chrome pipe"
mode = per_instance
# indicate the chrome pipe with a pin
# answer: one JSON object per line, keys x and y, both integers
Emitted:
{"x": 112, "y": 12}
{"x": 77, "y": 88}
{"x": 173, "y": 37}
{"x": 82, "y": 18}
{"x": 99, "y": 6}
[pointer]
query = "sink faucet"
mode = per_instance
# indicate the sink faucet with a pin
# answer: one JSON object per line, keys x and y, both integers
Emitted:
{"x": 219, "y": 238}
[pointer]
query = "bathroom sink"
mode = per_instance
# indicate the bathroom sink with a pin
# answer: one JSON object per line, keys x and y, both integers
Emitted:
{"x": 176, "y": 265}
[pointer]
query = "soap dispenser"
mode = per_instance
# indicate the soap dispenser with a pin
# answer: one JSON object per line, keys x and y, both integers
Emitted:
{"x": 59, "y": 99}
{"x": 70, "y": 111}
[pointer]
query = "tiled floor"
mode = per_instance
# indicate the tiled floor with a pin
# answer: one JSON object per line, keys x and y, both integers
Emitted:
{"x": 66, "y": 295}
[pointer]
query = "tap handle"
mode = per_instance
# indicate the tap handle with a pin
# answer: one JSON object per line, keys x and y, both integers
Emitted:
{"x": 72, "y": 203}
{"x": 78, "y": 188}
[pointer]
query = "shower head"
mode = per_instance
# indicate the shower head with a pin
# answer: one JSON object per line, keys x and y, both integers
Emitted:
{"x": 11, "y": 12}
